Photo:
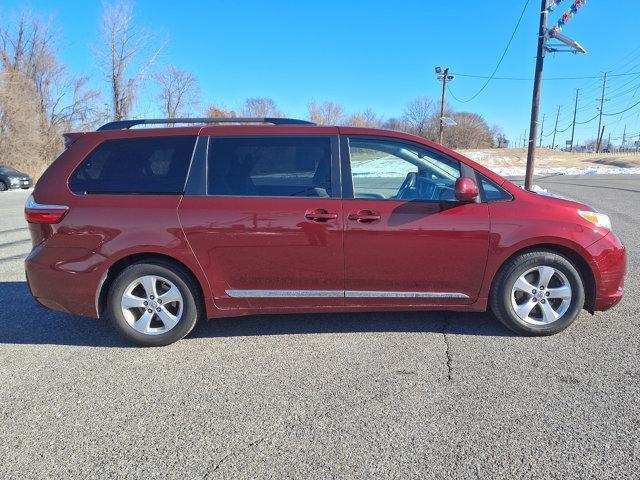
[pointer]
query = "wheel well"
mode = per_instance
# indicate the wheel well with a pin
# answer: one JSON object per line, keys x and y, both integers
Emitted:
{"x": 123, "y": 263}
{"x": 581, "y": 264}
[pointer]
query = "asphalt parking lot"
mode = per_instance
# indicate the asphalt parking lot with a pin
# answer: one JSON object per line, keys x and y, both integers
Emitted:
{"x": 396, "y": 395}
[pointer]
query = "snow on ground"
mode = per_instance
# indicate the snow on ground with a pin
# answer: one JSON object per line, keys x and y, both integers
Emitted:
{"x": 512, "y": 162}
{"x": 518, "y": 172}
{"x": 16, "y": 190}
{"x": 391, "y": 166}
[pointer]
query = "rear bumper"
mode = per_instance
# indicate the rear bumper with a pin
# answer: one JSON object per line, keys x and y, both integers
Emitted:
{"x": 65, "y": 279}
{"x": 609, "y": 265}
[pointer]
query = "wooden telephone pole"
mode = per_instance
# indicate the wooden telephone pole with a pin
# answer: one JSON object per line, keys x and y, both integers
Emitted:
{"x": 599, "y": 138}
{"x": 575, "y": 111}
{"x": 442, "y": 104}
{"x": 555, "y": 130}
{"x": 537, "y": 86}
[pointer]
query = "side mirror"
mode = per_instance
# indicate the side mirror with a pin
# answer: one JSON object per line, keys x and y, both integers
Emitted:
{"x": 466, "y": 190}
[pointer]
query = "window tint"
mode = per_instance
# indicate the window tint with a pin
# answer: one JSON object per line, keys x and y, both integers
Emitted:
{"x": 8, "y": 171}
{"x": 270, "y": 167}
{"x": 492, "y": 192}
{"x": 386, "y": 169}
{"x": 136, "y": 165}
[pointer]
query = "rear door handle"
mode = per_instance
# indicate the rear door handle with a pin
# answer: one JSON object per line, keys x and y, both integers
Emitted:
{"x": 320, "y": 215}
{"x": 364, "y": 216}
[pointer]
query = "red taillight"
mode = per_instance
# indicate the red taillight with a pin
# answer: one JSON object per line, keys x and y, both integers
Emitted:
{"x": 37, "y": 213}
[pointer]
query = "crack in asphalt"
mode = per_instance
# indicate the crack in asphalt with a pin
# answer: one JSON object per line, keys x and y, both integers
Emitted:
{"x": 237, "y": 451}
{"x": 449, "y": 355}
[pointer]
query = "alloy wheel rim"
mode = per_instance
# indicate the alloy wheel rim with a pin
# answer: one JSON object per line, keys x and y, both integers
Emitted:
{"x": 152, "y": 305}
{"x": 541, "y": 295}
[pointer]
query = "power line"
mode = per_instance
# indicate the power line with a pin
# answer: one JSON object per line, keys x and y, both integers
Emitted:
{"x": 527, "y": 79}
{"x": 504, "y": 53}
{"x": 622, "y": 111}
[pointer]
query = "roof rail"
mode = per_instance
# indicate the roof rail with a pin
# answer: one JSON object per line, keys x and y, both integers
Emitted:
{"x": 124, "y": 124}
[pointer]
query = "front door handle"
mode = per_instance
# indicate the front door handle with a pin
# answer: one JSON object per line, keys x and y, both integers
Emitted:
{"x": 364, "y": 216}
{"x": 320, "y": 215}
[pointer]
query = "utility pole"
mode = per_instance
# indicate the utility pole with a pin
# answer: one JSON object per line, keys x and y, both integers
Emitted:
{"x": 575, "y": 111}
{"x": 524, "y": 139}
{"x": 537, "y": 86}
{"x": 624, "y": 137}
{"x": 442, "y": 103}
{"x": 541, "y": 130}
{"x": 599, "y": 138}
{"x": 609, "y": 143}
{"x": 555, "y": 130}
{"x": 604, "y": 86}
{"x": 442, "y": 74}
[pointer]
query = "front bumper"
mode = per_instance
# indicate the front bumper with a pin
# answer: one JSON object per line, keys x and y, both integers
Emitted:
{"x": 609, "y": 265}
{"x": 24, "y": 184}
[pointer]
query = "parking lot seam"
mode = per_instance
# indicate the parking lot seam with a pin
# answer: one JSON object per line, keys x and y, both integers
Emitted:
{"x": 449, "y": 355}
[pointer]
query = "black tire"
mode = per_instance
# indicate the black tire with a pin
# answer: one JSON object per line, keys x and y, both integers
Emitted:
{"x": 500, "y": 299}
{"x": 192, "y": 311}
{"x": 3, "y": 186}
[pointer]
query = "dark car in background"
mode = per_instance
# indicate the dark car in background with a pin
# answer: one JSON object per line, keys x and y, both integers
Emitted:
{"x": 12, "y": 178}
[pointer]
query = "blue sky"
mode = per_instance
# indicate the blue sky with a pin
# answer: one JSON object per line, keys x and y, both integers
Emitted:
{"x": 378, "y": 54}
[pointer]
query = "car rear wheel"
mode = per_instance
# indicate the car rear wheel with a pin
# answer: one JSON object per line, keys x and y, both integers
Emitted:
{"x": 3, "y": 186}
{"x": 537, "y": 293}
{"x": 154, "y": 303}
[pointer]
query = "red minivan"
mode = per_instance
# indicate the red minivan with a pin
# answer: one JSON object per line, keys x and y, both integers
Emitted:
{"x": 157, "y": 228}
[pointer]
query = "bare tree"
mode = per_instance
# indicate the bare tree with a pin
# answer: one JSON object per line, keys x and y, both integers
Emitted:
{"x": 124, "y": 47}
{"x": 325, "y": 113}
{"x": 368, "y": 118}
{"x": 499, "y": 138}
{"x": 396, "y": 124}
{"x": 260, "y": 107}
{"x": 33, "y": 77}
{"x": 471, "y": 131}
{"x": 418, "y": 116}
{"x": 179, "y": 92}
{"x": 21, "y": 139}
{"x": 220, "y": 111}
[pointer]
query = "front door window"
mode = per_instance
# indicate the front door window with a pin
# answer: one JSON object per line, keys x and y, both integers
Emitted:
{"x": 384, "y": 169}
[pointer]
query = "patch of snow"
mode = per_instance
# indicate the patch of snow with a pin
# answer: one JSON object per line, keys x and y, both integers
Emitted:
{"x": 538, "y": 189}
{"x": 17, "y": 190}
{"x": 517, "y": 172}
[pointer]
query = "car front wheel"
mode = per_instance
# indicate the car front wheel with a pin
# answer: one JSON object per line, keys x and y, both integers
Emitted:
{"x": 538, "y": 293}
{"x": 154, "y": 303}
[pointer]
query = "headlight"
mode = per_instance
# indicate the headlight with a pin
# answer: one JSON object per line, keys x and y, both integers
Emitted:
{"x": 598, "y": 219}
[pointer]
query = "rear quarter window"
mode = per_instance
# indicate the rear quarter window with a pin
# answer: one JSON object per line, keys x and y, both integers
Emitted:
{"x": 152, "y": 165}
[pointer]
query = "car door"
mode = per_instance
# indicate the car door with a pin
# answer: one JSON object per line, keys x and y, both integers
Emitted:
{"x": 267, "y": 229}
{"x": 407, "y": 240}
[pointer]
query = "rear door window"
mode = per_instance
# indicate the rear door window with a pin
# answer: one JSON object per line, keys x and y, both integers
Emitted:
{"x": 152, "y": 165}
{"x": 270, "y": 166}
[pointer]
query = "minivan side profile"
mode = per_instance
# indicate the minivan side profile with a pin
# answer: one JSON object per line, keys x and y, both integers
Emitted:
{"x": 157, "y": 228}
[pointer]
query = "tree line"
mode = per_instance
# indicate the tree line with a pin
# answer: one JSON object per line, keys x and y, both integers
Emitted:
{"x": 40, "y": 98}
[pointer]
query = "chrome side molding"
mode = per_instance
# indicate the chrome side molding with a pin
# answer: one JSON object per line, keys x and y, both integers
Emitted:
{"x": 376, "y": 294}
{"x": 285, "y": 293}
{"x": 233, "y": 293}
